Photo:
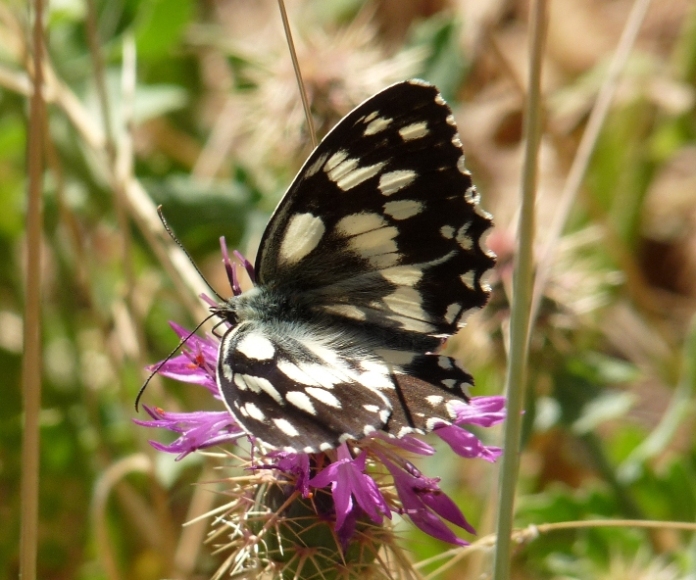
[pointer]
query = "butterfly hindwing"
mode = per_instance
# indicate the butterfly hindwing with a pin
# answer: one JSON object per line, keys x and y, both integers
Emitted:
{"x": 293, "y": 392}
{"x": 427, "y": 389}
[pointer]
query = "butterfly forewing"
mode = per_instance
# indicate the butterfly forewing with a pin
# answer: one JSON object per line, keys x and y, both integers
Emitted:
{"x": 382, "y": 223}
{"x": 371, "y": 259}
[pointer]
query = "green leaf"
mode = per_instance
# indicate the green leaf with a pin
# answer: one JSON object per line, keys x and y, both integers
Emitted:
{"x": 160, "y": 25}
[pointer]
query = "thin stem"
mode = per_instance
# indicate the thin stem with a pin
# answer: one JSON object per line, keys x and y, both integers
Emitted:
{"x": 522, "y": 293}
{"x": 533, "y": 531}
{"x": 31, "y": 362}
{"x": 106, "y": 483}
{"x": 298, "y": 73}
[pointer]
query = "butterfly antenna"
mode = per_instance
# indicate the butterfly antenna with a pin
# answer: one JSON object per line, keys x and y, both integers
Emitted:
{"x": 159, "y": 366}
{"x": 172, "y": 235}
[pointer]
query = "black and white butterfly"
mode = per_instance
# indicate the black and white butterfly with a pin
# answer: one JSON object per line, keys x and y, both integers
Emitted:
{"x": 372, "y": 258}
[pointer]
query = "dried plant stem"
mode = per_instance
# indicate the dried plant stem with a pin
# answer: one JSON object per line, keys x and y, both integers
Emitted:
{"x": 193, "y": 534}
{"x": 522, "y": 293}
{"x": 31, "y": 362}
{"x": 530, "y": 533}
{"x": 298, "y": 73}
{"x": 119, "y": 156}
{"x": 587, "y": 144}
{"x": 109, "y": 479}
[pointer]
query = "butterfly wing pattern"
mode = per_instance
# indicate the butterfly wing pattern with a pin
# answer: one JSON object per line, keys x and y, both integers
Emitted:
{"x": 372, "y": 258}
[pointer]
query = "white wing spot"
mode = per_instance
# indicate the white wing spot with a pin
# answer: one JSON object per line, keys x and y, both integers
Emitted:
{"x": 227, "y": 371}
{"x": 387, "y": 260}
{"x": 456, "y": 141}
{"x": 294, "y": 373}
{"x": 301, "y": 401}
{"x": 367, "y": 429}
{"x": 444, "y": 362}
{"x": 414, "y": 131}
{"x": 461, "y": 165}
{"x": 312, "y": 374}
{"x": 472, "y": 195}
{"x": 258, "y": 384}
{"x": 408, "y": 323}
{"x": 384, "y": 415}
{"x": 345, "y": 437}
{"x": 439, "y": 100}
{"x": 452, "y": 311}
{"x": 419, "y": 83}
{"x": 325, "y": 446}
{"x": 435, "y": 422}
{"x": 398, "y": 358}
{"x": 449, "y": 383}
{"x": 468, "y": 279}
{"x": 463, "y": 238}
{"x": 303, "y": 234}
{"x": 375, "y": 380}
{"x": 256, "y": 347}
{"x": 450, "y": 121}
{"x": 373, "y": 365}
{"x": 370, "y": 117}
{"x": 404, "y": 209}
{"x": 325, "y": 377}
{"x": 379, "y": 124}
{"x": 403, "y": 275}
{"x": 371, "y": 408}
{"x": 316, "y": 166}
{"x": 324, "y": 397}
{"x": 254, "y": 412}
{"x": 406, "y": 301}
{"x": 286, "y": 427}
{"x": 240, "y": 382}
{"x": 374, "y": 243}
{"x": 347, "y": 310}
{"x": 336, "y": 159}
{"x": 434, "y": 400}
{"x": 353, "y": 177}
{"x": 447, "y": 232}
{"x": 359, "y": 223}
{"x": 393, "y": 181}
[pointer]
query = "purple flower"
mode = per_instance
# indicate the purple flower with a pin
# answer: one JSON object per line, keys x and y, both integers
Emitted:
{"x": 198, "y": 430}
{"x": 425, "y": 503}
{"x": 196, "y": 364}
{"x": 294, "y": 464}
{"x": 348, "y": 482}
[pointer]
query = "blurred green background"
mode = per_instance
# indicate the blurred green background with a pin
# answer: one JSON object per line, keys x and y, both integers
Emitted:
{"x": 193, "y": 105}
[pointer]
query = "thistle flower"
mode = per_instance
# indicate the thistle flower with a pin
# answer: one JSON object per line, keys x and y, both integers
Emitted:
{"x": 334, "y": 502}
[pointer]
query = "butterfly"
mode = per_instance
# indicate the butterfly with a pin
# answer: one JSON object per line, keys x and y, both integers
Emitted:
{"x": 371, "y": 259}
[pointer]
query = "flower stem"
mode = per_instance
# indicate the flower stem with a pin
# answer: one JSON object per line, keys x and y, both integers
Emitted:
{"x": 31, "y": 362}
{"x": 522, "y": 290}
